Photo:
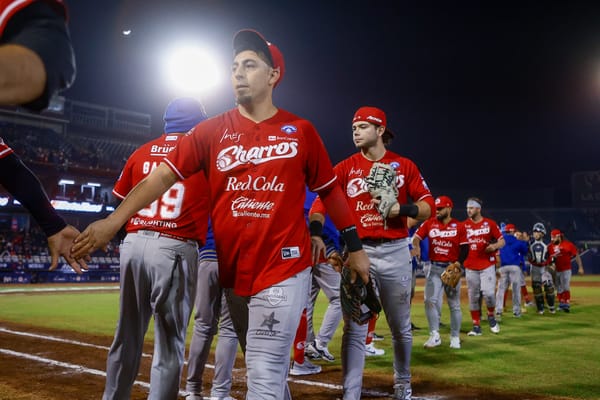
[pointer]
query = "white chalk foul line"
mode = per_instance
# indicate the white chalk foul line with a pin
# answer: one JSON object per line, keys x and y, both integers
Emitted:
{"x": 28, "y": 289}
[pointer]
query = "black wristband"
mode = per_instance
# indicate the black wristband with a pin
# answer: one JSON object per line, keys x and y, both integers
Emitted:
{"x": 410, "y": 210}
{"x": 350, "y": 236}
{"x": 315, "y": 228}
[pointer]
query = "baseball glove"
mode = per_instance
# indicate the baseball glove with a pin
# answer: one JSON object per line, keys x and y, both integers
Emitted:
{"x": 381, "y": 183}
{"x": 452, "y": 274}
{"x": 358, "y": 299}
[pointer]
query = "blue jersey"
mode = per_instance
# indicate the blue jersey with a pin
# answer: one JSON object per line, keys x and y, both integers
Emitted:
{"x": 514, "y": 251}
{"x": 331, "y": 236}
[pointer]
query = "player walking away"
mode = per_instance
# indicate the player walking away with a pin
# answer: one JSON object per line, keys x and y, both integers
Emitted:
{"x": 386, "y": 242}
{"x": 560, "y": 251}
{"x": 485, "y": 239}
{"x": 325, "y": 277}
{"x": 447, "y": 244}
{"x": 211, "y": 316}
{"x": 36, "y": 61}
{"x": 257, "y": 160}
{"x": 158, "y": 264}
{"x": 510, "y": 270}
{"x": 541, "y": 280}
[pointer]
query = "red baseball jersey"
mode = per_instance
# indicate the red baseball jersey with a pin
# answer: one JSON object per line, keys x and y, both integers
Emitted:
{"x": 480, "y": 235}
{"x": 257, "y": 174}
{"x": 562, "y": 254}
{"x": 8, "y": 8}
{"x": 182, "y": 210}
{"x": 369, "y": 223}
{"x": 444, "y": 239}
{"x": 4, "y": 149}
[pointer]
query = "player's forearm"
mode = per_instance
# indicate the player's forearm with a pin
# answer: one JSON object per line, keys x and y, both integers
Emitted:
{"x": 419, "y": 210}
{"x": 22, "y": 75}
{"x": 24, "y": 186}
{"x": 144, "y": 193}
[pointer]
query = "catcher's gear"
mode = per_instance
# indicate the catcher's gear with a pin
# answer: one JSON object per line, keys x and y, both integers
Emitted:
{"x": 451, "y": 274}
{"x": 358, "y": 299}
{"x": 381, "y": 183}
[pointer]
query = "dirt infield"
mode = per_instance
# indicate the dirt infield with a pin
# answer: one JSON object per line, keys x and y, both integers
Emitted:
{"x": 35, "y": 365}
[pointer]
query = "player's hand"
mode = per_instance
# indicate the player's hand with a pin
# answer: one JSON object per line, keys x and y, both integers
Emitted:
{"x": 60, "y": 244}
{"x": 416, "y": 252}
{"x": 317, "y": 246}
{"x": 580, "y": 271}
{"x": 490, "y": 248}
{"x": 95, "y": 236}
{"x": 359, "y": 263}
{"x": 336, "y": 261}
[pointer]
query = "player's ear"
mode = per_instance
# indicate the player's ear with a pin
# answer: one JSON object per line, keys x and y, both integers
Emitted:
{"x": 274, "y": 75}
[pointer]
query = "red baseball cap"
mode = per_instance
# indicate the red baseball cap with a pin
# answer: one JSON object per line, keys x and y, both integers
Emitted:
{"x": 555, "y": 232}
{"x": 443, "y": 201}
{"x": 373, "y": 115}
{"x": 510, "y": 228}
{"x": 249, "y": 39}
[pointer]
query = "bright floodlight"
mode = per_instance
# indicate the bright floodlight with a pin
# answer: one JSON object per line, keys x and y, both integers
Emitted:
{"x": 192, "y": 70}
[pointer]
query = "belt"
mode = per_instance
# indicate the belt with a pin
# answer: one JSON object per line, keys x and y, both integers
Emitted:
{"x": 441, "y": 263}
{"x": 376, "y": 241}
{"x": 156, "y": 235}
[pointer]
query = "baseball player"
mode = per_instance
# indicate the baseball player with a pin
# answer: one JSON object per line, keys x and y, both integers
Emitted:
{"x": 510, "y": 270}
{"x": 257, "y": 160}
{"x": 36, "y": 61}
{"x": 326, "y": 277}
{"x": 541, "y": 280}
{"x": 158, "y": 264}
{"x": 212, "y": 315}
{"x": 386, "y": 242}
{"x": 447, "y": 244}
{"x": 560, "y": 251}
{"x": 485, "y": 239}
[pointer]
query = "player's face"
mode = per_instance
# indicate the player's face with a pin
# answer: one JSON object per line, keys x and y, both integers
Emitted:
{"x": 473, "y": 212}
{"x": 250, "y": 77}
{"x": 556, "y": 239}
{"x": 442, "y": 213}
{"x": 365, "y": 134}
{"x": 537, "y": 235}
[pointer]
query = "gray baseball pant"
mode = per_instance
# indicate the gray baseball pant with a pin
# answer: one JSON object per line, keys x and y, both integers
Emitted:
{"x": 325, "y": 278}
{"x": 158, "y": 278}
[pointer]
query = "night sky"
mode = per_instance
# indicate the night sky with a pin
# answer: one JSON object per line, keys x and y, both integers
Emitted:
{"x": 500, "y": 100}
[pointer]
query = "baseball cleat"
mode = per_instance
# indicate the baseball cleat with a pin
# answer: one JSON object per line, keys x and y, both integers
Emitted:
{"x": 454, "y": 342}
{"x": 370, "y": 350}
{"x": 323, "y": 351}
{"x": 402, "y": 391}
{"x": 476, "y": 331}
{"x": 433, "y": 341}
{"x": 306, "y": 368}
{"x": 494, "y": 325}
{"x": 311, "y": 351}
{"x": 377, "y": 338}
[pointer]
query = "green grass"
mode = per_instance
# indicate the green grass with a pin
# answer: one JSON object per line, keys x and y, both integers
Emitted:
{"x": 548, "y": 355}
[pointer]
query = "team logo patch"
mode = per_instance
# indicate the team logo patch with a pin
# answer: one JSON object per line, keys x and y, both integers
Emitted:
{"x": 275, "y": 296}
{"x": 272, "y": 138}
{"x": 289, "y": 129}
{"x": 290, "y": 252}
{"x": 395, "y": 164}
{"x": 269, "y": 321}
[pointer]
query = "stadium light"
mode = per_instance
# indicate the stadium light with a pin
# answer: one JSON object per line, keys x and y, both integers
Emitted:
{"x": 192, "y": 70}
{"x": 94, "y": 184}
{"x": 66, "y": 182}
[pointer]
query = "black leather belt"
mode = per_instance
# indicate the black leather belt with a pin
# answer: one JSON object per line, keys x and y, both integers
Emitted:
{"x": 376, "y": 241}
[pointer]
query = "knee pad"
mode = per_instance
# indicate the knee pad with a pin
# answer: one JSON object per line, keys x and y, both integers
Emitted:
{"x": 549, "y": 288}
{"x": 537, "y": 288}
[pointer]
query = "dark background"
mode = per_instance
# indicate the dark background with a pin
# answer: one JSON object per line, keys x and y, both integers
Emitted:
{"x": 495, "y": 99}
